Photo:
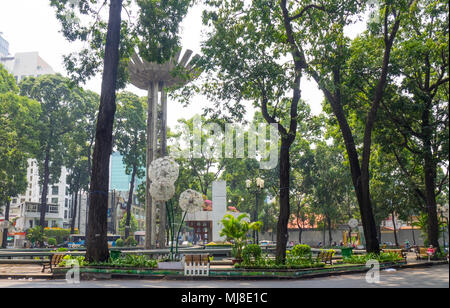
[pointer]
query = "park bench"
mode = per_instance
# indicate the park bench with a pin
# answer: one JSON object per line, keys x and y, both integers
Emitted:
{"x": 54, "y": 260}
{"x": 325, "y": 257}
{"x": 400, "y": 252}
{"x": 422, "y": 253}
{"x": 196, "y": 265}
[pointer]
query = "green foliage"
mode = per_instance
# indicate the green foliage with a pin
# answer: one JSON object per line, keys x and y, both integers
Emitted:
{"x": 60, "y": 235}
{"x": 237, "y": 230}
{"x": 35, "y": 235}
{"x": 133, "y": 224}
{"x": 119, "y": 242}
{"x": 129, "y": 261}
{"x": 251, "y": 253}
{"x": 51, "y": 241}
{"x": 152, "y": 29}
{"x": 265, "y": 262}
{"x": 301, "y": 251}
{"x": 70, "y": 261}
{"x": 18, "y": 131}
{"x": 130, "y": 241}
{"x": 382, "y": 257}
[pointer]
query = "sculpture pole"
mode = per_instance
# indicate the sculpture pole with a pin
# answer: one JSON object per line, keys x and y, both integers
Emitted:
{"x": 154, "y": 77}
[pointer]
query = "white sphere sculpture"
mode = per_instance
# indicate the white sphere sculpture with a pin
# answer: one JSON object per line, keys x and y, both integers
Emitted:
{"x": 191, "y": 201}
{"x": 162, "y": 190}
{"x": 164, "y": 168}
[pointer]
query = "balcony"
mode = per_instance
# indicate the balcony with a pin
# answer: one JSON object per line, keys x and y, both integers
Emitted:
{"x": 34, "y": 210}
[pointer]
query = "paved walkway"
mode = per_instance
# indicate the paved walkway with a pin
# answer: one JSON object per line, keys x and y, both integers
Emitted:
{"x": 35, "y": 270}
{"x": 433, "y": 277}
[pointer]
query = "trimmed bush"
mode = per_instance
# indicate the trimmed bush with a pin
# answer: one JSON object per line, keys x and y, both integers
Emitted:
{"x": 251, "y": 253}
{"x": 301, "y": 251}
{"x": 51, "y": 241}
{"x": 60, "y": 235}
{"x": 130, "y": 241}
{"x": 119, "y": 242}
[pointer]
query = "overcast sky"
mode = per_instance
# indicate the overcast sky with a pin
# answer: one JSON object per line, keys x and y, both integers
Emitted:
{"x": 31, "y": 25}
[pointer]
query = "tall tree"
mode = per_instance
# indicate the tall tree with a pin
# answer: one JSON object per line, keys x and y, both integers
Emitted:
{"x": 111, "y": 44}
{"x": 130, "y": 140}
{"x": 329, "y": 63}
{"x": 18, "y": 118}
{"x": 415, "y": 128}
{"x": 79, "y": 149}
{"x": 244, "y": 58}
{"x": 57, "y": 99}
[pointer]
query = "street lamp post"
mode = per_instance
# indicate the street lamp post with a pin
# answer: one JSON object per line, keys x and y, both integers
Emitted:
{"x": 444, "y": 214}
{"x": 256, "y": 188}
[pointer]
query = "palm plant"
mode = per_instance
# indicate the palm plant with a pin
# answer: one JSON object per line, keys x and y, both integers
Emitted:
{"x": 237, "y": 230}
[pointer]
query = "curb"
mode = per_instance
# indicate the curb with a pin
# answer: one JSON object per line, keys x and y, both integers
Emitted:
{"x": 125, "y": 276}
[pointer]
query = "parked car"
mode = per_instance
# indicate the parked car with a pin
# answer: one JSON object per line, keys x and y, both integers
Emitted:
{"x": 64, "y": 244}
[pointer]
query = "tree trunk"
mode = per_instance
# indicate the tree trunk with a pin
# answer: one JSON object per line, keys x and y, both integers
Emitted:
{"x": 88, "y": 199}
{"x": 129, "y": 202}
{"x": 430, "y": 178}
{"x": 5, "y": 231}
{"x": 395, "y": 229}
{"x": 163, "y": 153}
{"x": 150, "y": 219}
{"x": 330, "y": 239}
{"x": 45, "y": 182}
{"x": 74, "y": 213}
{"x": 97, "y": 244}
{"x": 283, "y": 219}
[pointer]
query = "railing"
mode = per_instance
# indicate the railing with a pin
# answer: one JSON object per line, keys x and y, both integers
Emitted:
{"x": 36, "y": 208}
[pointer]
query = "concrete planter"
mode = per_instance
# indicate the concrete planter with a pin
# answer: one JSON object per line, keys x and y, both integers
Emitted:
{"x": 171, "y": 265}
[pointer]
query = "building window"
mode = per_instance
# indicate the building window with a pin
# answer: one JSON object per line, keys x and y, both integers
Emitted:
{"x": 22, "y": 200}
{"x": 55, "y": 200}
{"x": 31, "y": 224}
{"x": 66, "y": 202}
{"x": 14, "y": 201}
{"x": 55, "y": 190}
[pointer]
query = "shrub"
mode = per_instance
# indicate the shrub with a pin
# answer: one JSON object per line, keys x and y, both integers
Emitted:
{"x": 51, "y": 241}
{"x": 382, "y": 257}
{"x": 301, "y": 251}
{"x": 69, "y": 261}
{"x": 130, "y": 241}
{"x": 129, "y": 261}
{"x": 35, "y": 235}
{"x": 119, "y": 242}
{"x": 251, "y": 253}
{"x": 60, "y": 235}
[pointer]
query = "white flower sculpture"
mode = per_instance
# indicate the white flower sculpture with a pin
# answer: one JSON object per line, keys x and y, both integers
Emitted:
{"x": 191, "y": 201}
{"x": 163, "y": 169}
{"x": 162, "y": 190}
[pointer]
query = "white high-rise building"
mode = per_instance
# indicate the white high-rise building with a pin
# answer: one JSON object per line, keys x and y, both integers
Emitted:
{"x": 26, "y": 207}
{"x": 4, "y": 46}
{"x": 29, "y": 64}
{"x": 23, "y": 64}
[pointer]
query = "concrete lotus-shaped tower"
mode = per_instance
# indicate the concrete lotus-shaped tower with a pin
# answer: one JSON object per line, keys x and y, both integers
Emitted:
{"x": 156, "y": 78}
